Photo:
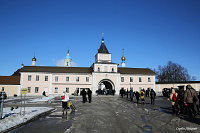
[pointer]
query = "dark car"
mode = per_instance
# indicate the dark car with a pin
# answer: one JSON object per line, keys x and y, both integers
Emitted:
{"x": 4, "y": 95}
{"x": 166, "y": 92}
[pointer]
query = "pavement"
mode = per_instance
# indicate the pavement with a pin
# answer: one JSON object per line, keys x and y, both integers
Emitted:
{"x": 111, "y": 114}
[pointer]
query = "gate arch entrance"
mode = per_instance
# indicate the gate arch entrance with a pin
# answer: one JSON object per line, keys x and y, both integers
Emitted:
{"x": 106, "y": 87}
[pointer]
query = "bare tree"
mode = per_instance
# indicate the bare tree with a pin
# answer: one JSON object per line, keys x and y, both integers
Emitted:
{"x": 172, "y": 72}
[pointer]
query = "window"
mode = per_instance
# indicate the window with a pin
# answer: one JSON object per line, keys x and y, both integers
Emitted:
{"x": 98, "y": 69}
{"x": 67, "y": 78}
{"x": 29, "y": 77}
{"x": 140, "y": 79}
{"x": 36, "y": 89}
{"x": 67, "y": 90}
{"x": 56, "y": 89}
{"x": 2, "y": 88}
{"x": 46, "y": 78}
{"x": 122, "y": 79}
{"x": 37, "y": 78}
{"x": 29, "y": 89}
{"x": 131, "y": 79}
{"x": 87, "y": 79}
{"x": 77, "y": 79}
{"x": 149, "y": 79}
{"x": 112, "y": 69}
{"x": 56, "y": 78}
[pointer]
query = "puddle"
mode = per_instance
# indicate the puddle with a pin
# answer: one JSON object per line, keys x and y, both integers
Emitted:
{"x": 147, "y": 129}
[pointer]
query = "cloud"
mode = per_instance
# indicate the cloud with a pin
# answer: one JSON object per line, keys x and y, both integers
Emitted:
{"x": 61, "y": 62}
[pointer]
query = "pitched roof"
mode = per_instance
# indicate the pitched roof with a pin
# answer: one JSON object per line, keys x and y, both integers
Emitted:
{"x": 10, "y": 80}
{"x": 145, "y": 71}
{"x": 180, "y": 82}
{"x": 83, "y": 70}
{"x": 56, "y": 69}
{"x": 103, "y": 49}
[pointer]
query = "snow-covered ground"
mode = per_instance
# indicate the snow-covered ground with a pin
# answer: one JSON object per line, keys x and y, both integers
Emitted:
{"x": 43, "y": 99}
{"x": 13, "y": 118}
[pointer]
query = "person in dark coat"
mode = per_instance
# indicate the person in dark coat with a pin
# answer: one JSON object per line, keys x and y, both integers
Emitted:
{"x": 122, "y": 92}
{"x": 89, "y": 95}
{"x": 189, "y": 95}
{"x": 83, "y": 93}
{"x": 181, "y": 101}
{"x": 131, "y": 94}
{"x": 137, "y": 95}
{"x": 152, "y": 96}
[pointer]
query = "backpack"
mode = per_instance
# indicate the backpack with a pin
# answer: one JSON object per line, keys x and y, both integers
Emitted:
{"x": 174, "y": 97}
{"x": 63, "y": 97}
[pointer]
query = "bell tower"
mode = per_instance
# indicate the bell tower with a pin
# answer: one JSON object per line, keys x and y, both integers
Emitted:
{"x": 123, "y": 59}
{"x": 68, "y": 60}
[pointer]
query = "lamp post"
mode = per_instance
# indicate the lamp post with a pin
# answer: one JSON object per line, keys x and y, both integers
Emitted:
{"x": 1, "y": 105}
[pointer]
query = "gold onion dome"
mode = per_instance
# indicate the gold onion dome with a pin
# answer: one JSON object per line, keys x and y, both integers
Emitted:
{"x": 123, "y": 58}
{"x": 34, "y": 59}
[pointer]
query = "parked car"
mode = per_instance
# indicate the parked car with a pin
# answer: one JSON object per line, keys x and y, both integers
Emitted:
{"x": 4, "y": 95}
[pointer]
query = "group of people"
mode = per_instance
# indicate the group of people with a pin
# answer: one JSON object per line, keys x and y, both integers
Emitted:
{"x": 185, "y": 101}
{"x": 84, "y": 93}
{"x": 139, "y": 95}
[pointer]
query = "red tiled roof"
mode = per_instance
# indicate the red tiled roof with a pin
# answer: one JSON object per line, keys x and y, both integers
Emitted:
{"x": 10, "y": 80}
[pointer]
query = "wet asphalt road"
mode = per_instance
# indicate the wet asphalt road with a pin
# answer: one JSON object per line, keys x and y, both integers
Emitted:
{"x": 108, "y": 114}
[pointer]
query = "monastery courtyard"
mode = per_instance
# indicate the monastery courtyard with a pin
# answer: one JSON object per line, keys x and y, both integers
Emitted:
{"x": 111, "y": 114}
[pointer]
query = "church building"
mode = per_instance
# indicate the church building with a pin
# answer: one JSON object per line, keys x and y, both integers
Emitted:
{"x": 102, "y": 76}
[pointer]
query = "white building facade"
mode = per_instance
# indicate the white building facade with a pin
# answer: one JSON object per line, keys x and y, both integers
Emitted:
{"x": 102, "y": 75}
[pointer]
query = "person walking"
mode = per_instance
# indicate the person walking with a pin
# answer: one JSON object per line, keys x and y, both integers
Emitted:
{"x": 182, "y": 108}
{"x": 131, "y": 94}
{"x": 152, "y": 96}
{"x": 137, "y": 95}
{"x": 89, "y": 95}
{"x": 174, "y": 97}
{"x": 65, "y": 99}
{"x": 83, "y": 93}
{"x": 189, "y": 100}
{"x": 122, "y": 92}
{"x": 142, "y": 93}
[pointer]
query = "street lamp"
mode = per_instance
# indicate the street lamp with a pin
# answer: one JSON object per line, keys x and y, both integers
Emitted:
{"x": 1, "y": 105}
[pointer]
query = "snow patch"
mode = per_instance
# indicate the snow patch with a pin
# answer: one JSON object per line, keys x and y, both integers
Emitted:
{"x": 13, "y": 118}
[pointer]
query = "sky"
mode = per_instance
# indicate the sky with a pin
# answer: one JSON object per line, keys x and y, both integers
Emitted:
{"x": 152, "y": 32}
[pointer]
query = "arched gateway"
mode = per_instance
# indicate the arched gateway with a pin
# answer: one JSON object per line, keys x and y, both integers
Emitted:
{"x": 106, "y": 87}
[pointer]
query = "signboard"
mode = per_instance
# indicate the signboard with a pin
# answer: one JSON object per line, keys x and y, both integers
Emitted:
{"x": 24, "y": 90}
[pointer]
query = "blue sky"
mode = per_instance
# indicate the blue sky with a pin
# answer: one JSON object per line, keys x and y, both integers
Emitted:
{"x": 152, "y": 32}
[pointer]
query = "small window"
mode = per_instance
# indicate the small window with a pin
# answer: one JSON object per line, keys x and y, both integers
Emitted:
{"x": 37, "y": 78}
{"x": 29, "y": 89}
{"x": 87, "y": 79}
{"x": 131, "y": 79}
{"x": 29, "y": 77}
{"x": 36, "y": 89}
{"x": 67, "y": 79}
{"x": 140, "y": 79}
{"x": 112, "y": 69}
{"x": 2, "y": 88}
{"x": 149, "y": 79}
{"x": 46, "y": 78}
{"x": 56, "y": 89}
{"x": 56, "y": 78}
{"x": 122, "y": 79}
{"x": 77, "y": 79}
{"x": 98, "y": 69}
{"x": 67, "y": 90}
